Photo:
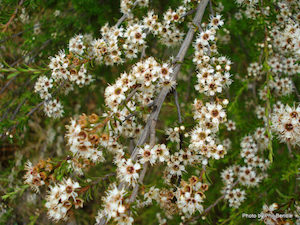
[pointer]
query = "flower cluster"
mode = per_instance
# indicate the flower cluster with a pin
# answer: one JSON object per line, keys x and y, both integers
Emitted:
{"x": 186, "y": 199}
{"x": 128, "y": 171}
{"x": 132, "y": 96}
{"x": 33, "y": 177}
{"x": 213, "y": 70}
{"x": 270, "y": 216}
{"x": 146, "y": 77}
{"x": 252, "y": 173}
{"x": 39, "y": 174}
{"x": 71, "y": 67}
{"x": 61, "y": 198}
{"x": 53, "y": 108}
{"x": 190, "y": 196}
{"x": 114, "y": 206}
{"x": 235, "y": 197}
{"x": 286, "y": 124}
{"x": 83, "y": 138}
{"x": 152, "y": 155}
{"x": 203, "y": 135}
{"x": 42, "y": 86}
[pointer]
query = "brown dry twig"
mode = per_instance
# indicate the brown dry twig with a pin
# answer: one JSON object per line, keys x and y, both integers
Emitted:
{"x": 12, "y": 16}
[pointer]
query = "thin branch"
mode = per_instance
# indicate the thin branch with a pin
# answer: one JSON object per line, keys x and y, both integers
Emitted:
{"x": 8, "y": 83}
{"x": 19, "y": 33}
{"x": 143, "y": 173}
{"x": 136, "y": 187}
{"x": 188, "y": 13}
{"x": 129, "y": 116}
{"x": 177, "y": 106}
{"x": 125, "y": 16}
{"x": 12, "y": 17}
{"x": 207, "y": 210}
{"x": 32, "y": 110}
{"x": 18, "y": 109}
{"x": 218, "y": 200}
{"x": 130, "y": 95}
{"x": 202, "y": 172}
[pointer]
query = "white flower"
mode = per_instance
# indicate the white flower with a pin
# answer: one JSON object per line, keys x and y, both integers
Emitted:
{"x": 128, "y": 171}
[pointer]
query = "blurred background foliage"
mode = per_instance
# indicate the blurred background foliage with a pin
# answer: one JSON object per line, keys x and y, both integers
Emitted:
{"x": 26, "y": 46}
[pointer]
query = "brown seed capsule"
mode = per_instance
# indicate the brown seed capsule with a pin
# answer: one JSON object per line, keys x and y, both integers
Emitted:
{"x": 104, "y": 137}
{"x": 82, "y": 136}
{"x": 41, "y": 164}
{"x": 67, "y": 204}
{"x": 204, "y": 187}
{"x": 76, "y": 61}
{"x": 83, "y": 121}
{"x": 43, "y": 175}
{"x": 193, "y": 180}
{"x": 94, "y": 138}
{"x": 93, "y": 118}
{"x": 78, "y": 203}
{"x": 48, "y": 167}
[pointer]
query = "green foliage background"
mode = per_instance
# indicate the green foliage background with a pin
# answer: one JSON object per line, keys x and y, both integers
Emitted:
{"x": 30, "y": 134}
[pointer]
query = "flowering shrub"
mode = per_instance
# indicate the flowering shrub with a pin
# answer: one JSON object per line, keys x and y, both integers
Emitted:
{"x": 178, "y": 112}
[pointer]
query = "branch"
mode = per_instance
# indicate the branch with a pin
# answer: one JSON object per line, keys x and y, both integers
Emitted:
{"x": 219, "y": 199}
{"x": 125, "y": 16}
{"x": 12, "y": 17}
{"x": 143, "y": 173}
{"x": 213, "y": 205}
{"x": 33, "y": 110}
{"x": 188, "y": 13}
{"x": 8, "y": 83}
{"x": 177, "y": 106}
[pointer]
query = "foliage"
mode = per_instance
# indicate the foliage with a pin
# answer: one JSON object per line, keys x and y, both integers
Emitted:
{"x": 34, "y": 145}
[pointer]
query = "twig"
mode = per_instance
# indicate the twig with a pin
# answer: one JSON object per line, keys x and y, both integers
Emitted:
{"x": 17, "y": 109}
{"x": 143, "y": 54}
{"x": 12, "y": 17}
{"x": 125, "y": 16}
{"x": 202, "y": 172}
{"x": 129, "y": 116}
{"x": 8, "y": 83}
{"x": 19, "y": 33}
{"x": 212, "y": 205}
{"x": 218, "y": 200}
{"x": 177, "y": 106}
{"x": 131, "y": 145}
{"x": 188, "y": 13}
{"x": 143, "y": 173}
{"x": 32, "y": 110}
{"x": 130, "y": 95}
